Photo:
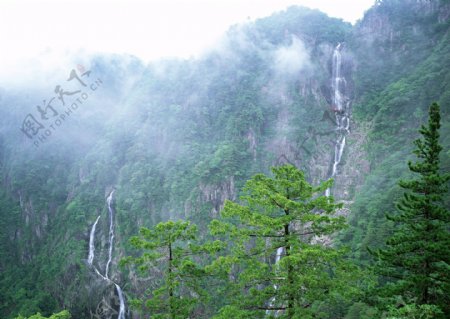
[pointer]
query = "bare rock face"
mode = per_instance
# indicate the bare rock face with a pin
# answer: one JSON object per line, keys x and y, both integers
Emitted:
{"x": 106, "y": 307}
{"x": 216, "y": 194}
{"x": 377, "y": 25}
{"x": 355, "y": 165}
{"x": 317, "y": 160}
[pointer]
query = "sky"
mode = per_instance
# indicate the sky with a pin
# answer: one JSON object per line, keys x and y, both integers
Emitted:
{"x": 40, "y": 32}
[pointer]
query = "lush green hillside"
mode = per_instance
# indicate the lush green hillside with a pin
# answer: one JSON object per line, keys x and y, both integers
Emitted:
{"x": 177, "y": 138}
{"x": 416, "y": 73}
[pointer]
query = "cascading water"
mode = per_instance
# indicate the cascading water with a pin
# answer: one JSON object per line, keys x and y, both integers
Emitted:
{"x": 272, "y": 300}
{"x": 91, "y": 242}
{"x": 111, "y": 232}
{"x": 91, "y": 256}
{"x": 279, "y": 253}
{"x": 122, "y": 302}
{"x": 341, "y": 108}
{"x": 337, "y": 79}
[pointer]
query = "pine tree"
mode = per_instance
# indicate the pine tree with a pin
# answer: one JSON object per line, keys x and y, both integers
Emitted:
{"x": 60, "y": 315}
{"x": 417, "y": 256}
{"x": 284, "y": 216}
{"x": 170, "y": 248}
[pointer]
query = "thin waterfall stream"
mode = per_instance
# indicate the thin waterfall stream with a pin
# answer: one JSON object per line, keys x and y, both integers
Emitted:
{"x": 272, "y": 300}
{"x": 91, "y": 255}
{"x": 111, "y": 232}
{"x": 91, "y": 242}
{"x": 341, "y": 109}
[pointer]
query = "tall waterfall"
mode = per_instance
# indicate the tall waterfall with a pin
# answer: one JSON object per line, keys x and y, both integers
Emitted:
{"x": 337, "y": 79}
{"x": 122, "y": 302}
{"x": 272, "y": 300}
{"x": 121, "y": 314}
{"x": 341, "y": 108}
{"x": 111, "y": 232}
{"x": 91, "y": 242}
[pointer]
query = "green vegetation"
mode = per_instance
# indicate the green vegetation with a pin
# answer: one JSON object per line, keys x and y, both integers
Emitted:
{"x": 282, "y": 215}
{"x": 170, "y": 247}
{"x": 394, "y": 101}
{"x": 60, "y": 315}
{"x": 416, "y": 259}
{"x": 275, "y": 261}
{"x": 177, "y": 139}
{"x": 287, "y": 216}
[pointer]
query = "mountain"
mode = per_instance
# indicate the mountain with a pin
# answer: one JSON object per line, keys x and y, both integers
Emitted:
{"x": 126, "y": 145}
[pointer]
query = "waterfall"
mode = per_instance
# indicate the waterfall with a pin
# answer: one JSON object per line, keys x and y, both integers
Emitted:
{"x": 122, "y": 303}
{"x": 341, "y": 108}
{"x": 105, "y": 277}
{"x": 279, "y": 253}
{"x": 272, "y": 300}
{"x": 111, "y": 232}
{"x": 91, "y": 242}
{"x": 337, "y": 79}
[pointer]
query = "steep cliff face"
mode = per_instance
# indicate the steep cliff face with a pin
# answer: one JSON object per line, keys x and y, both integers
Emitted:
{"x": 186, "y": 135}
{"x": 389, "y": 20}
{"x": 399, "y": 72}
{"x": 217, "y": 194}
{"x": 390, "y": 42}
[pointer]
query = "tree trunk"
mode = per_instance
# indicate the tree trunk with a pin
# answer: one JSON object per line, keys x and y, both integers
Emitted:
{"x": 170, "y": 283}
{"x": 290, "y": 279}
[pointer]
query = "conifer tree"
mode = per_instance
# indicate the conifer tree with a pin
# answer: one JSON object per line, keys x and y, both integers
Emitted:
{"x": 60, "y": 315}
{"x": 170, "y": 247}
{"x": 417, "y": 256}
{"x": 288, "y": 217}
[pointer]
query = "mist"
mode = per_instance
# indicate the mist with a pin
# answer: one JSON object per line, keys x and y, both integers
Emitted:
{"x": 135, "y": 114}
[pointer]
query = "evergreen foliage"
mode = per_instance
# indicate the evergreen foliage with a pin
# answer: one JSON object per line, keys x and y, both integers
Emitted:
{"x": 177, "y": 138}
{"x": 169, "y": 248}
{"x": 60, "y": 315}
{"x": 417, "y": 255}
{"x": 283, "y": 215}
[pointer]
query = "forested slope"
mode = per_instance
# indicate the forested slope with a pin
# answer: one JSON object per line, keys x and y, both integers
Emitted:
{"x": 176, "y": 138}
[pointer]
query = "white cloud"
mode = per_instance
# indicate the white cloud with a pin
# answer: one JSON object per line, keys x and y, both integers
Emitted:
{"x": 148, "y": 29}
{"x": 290, "y": 60}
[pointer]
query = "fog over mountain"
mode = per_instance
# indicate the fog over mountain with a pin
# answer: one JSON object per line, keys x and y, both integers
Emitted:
{"x": 94, "y": 146}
